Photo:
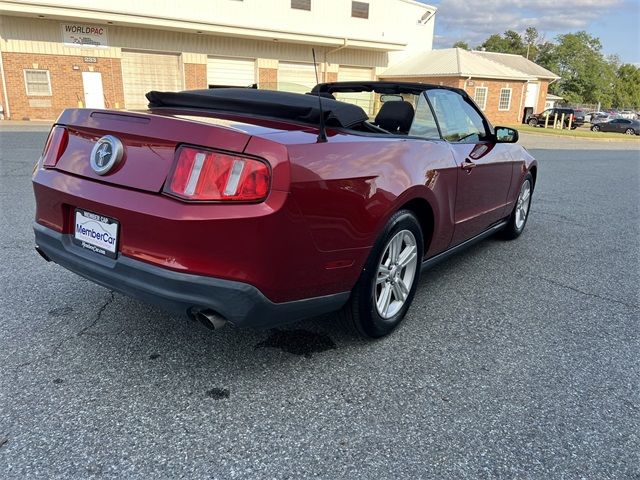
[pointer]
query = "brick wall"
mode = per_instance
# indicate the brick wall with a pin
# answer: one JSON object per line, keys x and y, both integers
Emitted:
{"x": 195, "y": 76}
{"x": 496, "y": 116}
{"x": 66, "y": 83}
{"x": 268, "y": 76}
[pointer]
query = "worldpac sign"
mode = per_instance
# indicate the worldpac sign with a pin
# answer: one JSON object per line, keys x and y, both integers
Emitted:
{"x": 83, "y": 35}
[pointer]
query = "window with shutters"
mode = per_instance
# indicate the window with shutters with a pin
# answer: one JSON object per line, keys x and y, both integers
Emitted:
{"x": 360, "y": 9}
{"x": 37, "y": 82}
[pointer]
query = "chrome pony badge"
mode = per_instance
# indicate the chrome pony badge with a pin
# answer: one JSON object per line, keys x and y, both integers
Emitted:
{"x": 106, "y": 154}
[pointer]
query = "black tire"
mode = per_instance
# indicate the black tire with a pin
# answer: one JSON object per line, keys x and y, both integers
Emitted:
{"x": 595, "y": 128}
{"x": 512, "y": 230}
{"x": 630, "y": 131}
{"x": 532, "y": 122}
{"x": 360, "y": 314}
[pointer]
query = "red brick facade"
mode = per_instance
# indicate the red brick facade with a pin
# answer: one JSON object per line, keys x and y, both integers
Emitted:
{"x": 195, "y": 76}
{"x": 67, "y": 91}
{"x": 267, "y": 76}
{"x": 498, "y": 117}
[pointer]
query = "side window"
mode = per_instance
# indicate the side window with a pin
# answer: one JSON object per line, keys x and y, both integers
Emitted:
{"x": 424, "y": 123}
{"x": 458, "y": 120}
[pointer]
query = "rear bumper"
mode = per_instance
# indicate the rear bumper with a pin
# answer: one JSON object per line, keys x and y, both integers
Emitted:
{"x": 241, "y": 304}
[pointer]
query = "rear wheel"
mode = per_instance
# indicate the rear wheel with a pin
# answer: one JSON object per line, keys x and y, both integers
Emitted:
{"x": 388, "y": 282}
{"x": 630, "y": 131}
{"x": 520, "y": 214}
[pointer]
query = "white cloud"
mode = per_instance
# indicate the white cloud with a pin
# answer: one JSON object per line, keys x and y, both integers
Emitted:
{"x": 474, "y": 21}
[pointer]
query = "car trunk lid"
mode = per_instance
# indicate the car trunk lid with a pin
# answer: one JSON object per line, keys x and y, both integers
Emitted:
{"x": 149, "y": 143}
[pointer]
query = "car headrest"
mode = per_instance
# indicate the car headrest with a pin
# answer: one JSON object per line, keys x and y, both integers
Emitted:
{"x": 395, "y": 116}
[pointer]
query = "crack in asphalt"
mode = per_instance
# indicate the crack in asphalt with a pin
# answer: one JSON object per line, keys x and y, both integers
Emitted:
{"x": 569, "y": 287}
{"x": 79, "y": 333}
{"x": 589, "y": 294}
{"x": 563, "y": 218}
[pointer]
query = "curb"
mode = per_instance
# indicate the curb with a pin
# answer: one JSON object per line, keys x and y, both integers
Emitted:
{"x": 573, "y": 137}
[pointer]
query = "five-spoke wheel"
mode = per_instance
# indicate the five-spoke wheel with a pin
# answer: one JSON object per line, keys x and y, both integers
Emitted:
{"x": 396, "y": 273}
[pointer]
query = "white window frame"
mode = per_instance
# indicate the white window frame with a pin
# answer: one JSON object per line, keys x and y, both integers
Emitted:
{"x": 486, "y": 95}
{"x": 510, "y": 90}
{"x": 26, "y": 82}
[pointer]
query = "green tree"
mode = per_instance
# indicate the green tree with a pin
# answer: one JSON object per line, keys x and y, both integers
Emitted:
{"x": 627, "y": 87}
{"x": 530, "y": 41}
{"x": 461, "y": 44}
{"x": 509, "y": 42}
{"x": 586, "y": 76}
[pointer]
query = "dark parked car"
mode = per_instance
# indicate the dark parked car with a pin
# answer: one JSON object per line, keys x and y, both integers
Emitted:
{"x": 575, "y": 115}
{"x": 618, "y": 125}
{"x": 238, "y": 206}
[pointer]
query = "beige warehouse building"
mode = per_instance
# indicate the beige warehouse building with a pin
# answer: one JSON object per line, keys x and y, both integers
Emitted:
{"x": 61, "y": 54}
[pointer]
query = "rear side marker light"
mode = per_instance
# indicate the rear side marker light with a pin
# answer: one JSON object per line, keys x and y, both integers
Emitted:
{"x": 55, "y": 146}
{"x": 208, "y": 175}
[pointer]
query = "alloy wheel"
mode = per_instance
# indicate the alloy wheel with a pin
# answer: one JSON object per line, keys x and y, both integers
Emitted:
{"x": 630, "y": 131}
{"x": 396, "y": 273}
{"x": 522, "y": 205}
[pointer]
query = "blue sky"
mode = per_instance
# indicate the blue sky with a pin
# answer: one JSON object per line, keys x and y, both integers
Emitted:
{"x": 615, "y": 22}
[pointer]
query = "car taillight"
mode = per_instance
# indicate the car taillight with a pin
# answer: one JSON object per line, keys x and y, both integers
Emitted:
{"x": 55, "y": 146}
{"x": 207, "y": 175}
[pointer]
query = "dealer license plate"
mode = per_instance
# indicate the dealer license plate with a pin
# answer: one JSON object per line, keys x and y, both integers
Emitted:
{"x": 96, "y": 233}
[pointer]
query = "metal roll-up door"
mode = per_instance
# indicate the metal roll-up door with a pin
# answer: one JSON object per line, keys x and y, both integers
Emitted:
{"x": 144, "y": 71}
{"x": 230, "y": 72}
{"x": 296, "y": 77}
{"x": 356, "y": 74}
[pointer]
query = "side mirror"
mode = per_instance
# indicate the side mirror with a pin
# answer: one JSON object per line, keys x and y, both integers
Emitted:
{"x": 506, "y": 135}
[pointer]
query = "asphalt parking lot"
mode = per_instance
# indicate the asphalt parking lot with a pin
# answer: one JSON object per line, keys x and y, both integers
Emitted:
{"x": 517, "y": 360}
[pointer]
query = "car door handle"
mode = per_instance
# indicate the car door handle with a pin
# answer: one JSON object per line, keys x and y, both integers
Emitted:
{"x": 468, "y": 164}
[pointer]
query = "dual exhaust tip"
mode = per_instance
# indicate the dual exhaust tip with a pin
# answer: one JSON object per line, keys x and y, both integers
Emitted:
{"x": 208, "y": 318}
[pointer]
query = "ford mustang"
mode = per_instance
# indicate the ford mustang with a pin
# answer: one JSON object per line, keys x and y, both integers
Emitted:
{"x": 257, "y": 207}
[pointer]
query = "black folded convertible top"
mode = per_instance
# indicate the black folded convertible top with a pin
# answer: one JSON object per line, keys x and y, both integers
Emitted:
{"x": 281, "y": 105}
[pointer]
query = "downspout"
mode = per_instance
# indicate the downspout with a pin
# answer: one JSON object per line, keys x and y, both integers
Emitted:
{"x": 4, "y": 86}
{"x": 324, "y": 66}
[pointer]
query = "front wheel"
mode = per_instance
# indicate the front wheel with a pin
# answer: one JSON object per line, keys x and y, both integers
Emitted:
{"x": 630, "y": 131}
{"x": 388, "y": 282}
{"x": 595, "y": 128}
{"x": 533, "y": 122}
{"x": 520, "y": 214}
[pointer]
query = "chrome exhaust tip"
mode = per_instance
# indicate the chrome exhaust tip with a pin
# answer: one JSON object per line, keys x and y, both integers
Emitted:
{"x": 42, "y": 254}
{"x": 208, "y": 318}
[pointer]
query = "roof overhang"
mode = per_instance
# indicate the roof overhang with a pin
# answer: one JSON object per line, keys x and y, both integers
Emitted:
{"x": 463, "y": 76}
{"x": 88, "y": 15}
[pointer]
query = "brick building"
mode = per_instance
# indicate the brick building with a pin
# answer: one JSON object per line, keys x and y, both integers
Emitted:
{"x": 507, "y": 88}
{"x": 109, "y": 53}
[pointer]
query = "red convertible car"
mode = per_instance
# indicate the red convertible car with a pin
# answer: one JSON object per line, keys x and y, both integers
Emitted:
{"x": 258, "y": 207}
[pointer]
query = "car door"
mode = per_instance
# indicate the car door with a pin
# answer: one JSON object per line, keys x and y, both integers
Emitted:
{"x": 484, "y": 167}
{"x": 612, "y": 126}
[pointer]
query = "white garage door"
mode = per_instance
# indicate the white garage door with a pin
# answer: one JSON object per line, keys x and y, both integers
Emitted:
{"x": 356, "y": 74}
{"x": 234, "y": 72}
{"x": 142, "y": 72}
{"x": 296, "y": 77}
{"x": 531, "y": 99}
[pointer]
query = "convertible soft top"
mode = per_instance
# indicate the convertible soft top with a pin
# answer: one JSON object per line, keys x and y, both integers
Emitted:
{"x": 282, "y": 105}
